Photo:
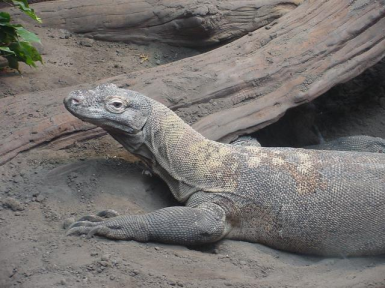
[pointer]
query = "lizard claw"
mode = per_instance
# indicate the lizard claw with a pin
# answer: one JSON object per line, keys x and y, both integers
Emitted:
{"x": 109, "y": 213}
{"x": 91, "y": 218}
{"x": 87, "y": 227}
{"x": 82, "y": 223}
{"x": 95, "y": 225}
{"x": 80, "y": 228}
{"x": 99, "y": 217}
{"x": 106, "y": 229}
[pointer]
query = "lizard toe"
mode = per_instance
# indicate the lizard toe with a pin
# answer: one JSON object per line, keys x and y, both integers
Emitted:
{"x": 100, "y": 216}
{"x": 91, "y": 218}
{"x": 100, "y": 231}
{"x": 105, "y": 229}
{"x": 77, "y": 231}
{"x": 82, "y": 224}
{"x": 109, "y": 213}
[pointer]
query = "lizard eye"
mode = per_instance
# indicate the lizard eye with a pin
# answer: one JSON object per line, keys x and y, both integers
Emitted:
{"x": 116, "y": 105}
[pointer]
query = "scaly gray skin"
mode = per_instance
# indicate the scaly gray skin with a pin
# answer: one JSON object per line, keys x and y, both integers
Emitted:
{"x": 305, "y": 201}
{"x": 359, "y": 143}
{"x": 246, "y": 141}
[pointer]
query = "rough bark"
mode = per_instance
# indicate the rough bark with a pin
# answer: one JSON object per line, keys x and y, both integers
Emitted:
{"x": 236, "y": 89}
{"x": 193, "y": 23}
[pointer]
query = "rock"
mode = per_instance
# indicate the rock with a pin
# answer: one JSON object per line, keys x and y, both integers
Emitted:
{"x": 134, "y": 272}
{"x": 242, "y": 262}
{"x": 64, "y": 34}
{"x": 13, "y": 204}
{"x": 105, "y": 257}
{"x": 67, "y": 222}
{"x": 104, "y": 263}
{"x": 90, "y": 268}
{"x": 3, "y": 62}
{"x": 40, "y": 198}
{"x": 86, "y": 42}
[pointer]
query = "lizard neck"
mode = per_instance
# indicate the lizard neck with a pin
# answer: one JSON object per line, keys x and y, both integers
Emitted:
{"x": 186, "y": 160}
{"x": 165, "y": 133}
{"x": 183, "y": 158}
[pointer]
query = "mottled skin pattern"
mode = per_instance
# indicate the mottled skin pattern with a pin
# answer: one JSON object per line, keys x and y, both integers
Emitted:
{"x": 304, "y": 201}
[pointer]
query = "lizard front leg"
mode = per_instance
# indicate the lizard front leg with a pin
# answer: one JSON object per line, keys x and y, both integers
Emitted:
{"x": 175, "y": 225}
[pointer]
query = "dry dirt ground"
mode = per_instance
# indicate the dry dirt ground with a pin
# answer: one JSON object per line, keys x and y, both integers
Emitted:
{"x": 40, "y": 189}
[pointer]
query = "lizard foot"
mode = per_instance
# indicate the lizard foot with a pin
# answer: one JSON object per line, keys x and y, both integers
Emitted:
{"x": 107, "y": 224}
{"x": 92, "y": 224}
{"x": 100, "y": 216}
{"x": 109, "y": 229}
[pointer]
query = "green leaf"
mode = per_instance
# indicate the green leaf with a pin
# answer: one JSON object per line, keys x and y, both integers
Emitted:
{"x": 27, "y": 35}
{"x": 23, "y": 6}
{"x": 26, "y": 53}
{"x": 10, "y": 25}
{"x": 6, "y": 49}
{"x": 13, "y": 62}
{"x": 7, "y": 35}
{"x": 32, "y": 52}
{"x": 15, "y": 40}
{"x": 4, "y": 17}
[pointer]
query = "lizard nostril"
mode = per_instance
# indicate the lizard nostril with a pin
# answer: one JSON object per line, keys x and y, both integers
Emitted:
{"x": 75, "y": 100}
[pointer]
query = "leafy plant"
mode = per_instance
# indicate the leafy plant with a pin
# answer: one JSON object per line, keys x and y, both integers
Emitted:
{"x": 15, "y": 40}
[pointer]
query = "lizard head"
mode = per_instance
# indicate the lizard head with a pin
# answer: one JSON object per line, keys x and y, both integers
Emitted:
{"x": 112, "y": 108}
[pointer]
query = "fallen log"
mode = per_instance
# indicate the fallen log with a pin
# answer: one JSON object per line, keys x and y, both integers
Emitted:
{"x": 193, "y": 23}
{"x": 236, "y": 89}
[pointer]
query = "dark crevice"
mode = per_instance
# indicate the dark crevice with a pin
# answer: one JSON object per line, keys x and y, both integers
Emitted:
{"x": 352, "y": 108}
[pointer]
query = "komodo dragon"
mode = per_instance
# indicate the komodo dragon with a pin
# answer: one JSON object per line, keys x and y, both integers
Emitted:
{"x": 329, "y": 203}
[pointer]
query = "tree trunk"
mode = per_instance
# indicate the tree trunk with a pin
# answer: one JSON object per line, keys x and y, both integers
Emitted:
{"x": 193, "y": 23}
{"x": 236, "y": 89}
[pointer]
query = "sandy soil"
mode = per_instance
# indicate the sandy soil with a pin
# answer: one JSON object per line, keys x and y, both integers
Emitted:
{"x": 42, "y": 188}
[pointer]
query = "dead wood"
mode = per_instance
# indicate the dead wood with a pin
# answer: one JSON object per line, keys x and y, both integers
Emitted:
{"x": 193, "y": 23}
{"x": 236, "y": 89}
